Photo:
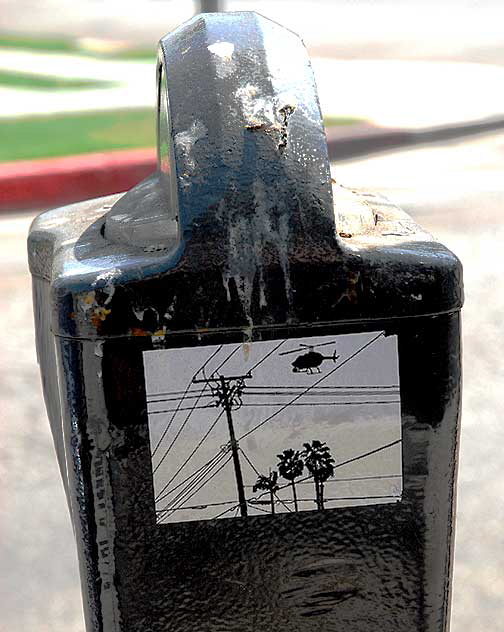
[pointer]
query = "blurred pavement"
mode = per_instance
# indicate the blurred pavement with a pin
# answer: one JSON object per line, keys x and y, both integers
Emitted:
{"x": 464, "y": 30}
{"x": 387, "y": 93}
{"x": 457, "y": 192}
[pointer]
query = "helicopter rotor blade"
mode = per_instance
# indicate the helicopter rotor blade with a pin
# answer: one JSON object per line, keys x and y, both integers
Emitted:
{"x": 323, "y": 344}
{"x": 303, "y": 346}
{"x": 291, "y": 351}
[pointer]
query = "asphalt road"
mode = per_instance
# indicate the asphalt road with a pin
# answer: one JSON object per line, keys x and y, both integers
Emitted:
{"x": 457, "y": 192}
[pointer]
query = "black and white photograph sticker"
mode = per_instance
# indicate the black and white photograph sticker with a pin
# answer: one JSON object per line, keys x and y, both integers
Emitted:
{"x": 262, "y": 428}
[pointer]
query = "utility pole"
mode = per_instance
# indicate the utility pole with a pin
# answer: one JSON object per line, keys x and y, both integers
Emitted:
{"x": 228, "y": 391}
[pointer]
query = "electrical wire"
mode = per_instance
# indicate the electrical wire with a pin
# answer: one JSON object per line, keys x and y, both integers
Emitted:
{"x": 267, "y": 355}
{"x": 194, "y": 450}
{"x": 180, "y": 403}
{"x": 324, "y": 377}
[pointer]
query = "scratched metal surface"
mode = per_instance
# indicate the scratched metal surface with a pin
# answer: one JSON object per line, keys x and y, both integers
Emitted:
{"x": 255, "y": 256}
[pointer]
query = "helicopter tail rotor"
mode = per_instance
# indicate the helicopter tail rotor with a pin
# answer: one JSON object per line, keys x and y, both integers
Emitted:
{"x": 334, "y": 357}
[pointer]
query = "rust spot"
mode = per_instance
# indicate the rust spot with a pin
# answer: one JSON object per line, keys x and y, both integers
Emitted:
{"x": 137, "y": 331}
{"x": 351, "y": 292}
{"x": 255, "y": 126}
{"x": 99, "y": 315}
{"x": 89, "y": 298}
{"x": 346, "y": 235}
{"x": 286, "y": 111}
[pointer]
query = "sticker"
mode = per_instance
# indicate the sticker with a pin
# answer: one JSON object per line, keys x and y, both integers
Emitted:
{"x": 262, "y": 428}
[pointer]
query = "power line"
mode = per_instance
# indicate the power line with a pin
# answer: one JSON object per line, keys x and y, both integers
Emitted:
{"x": 309, "y": 388}
{"x": 180, "y": 403}
{"x": 167, "y": 394}
{"x": 168, "y": 425}
{"x": 194, "y": 450}
{"x": 350, "y": 479}
{"x": 335, "y": 498}
{"x": 285, "y": 404}
{"x": 328, "y": 500}
{"x": 267, "y": 356}
{"x": 264, "y": 510}
{"x": 362, "y": 386}
{"x": 226, "y": 511}
{"x": 358, "y": 478}
{"x": 177, "y": 410}
{"x": 204, "y": 471}
{"x": 188, "y": 416}
{"x": 200, "y": 506}
{"x": 222, "y": 466}
{"x": 203, "y": 366}
{"x": 328, "y": 393}
{"x": 353, "y": 459}
{"x": 228, "y": 358}
{"x": 194, "y": 395}
{"x": 324, "y": 377}
{"x": 362, "y": 456}
{"x": 161, "y": 495}
{"x": 258, "y": 474}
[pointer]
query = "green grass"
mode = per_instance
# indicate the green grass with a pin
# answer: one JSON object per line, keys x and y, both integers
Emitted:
{"x": 68, "y": 46}
{"x": 27, "y": 42}
{"x": 331, "y": 121}
{"x": 63, "y": 135}
{"x": 80, "y": 133}
{"x": 23, "y": 80}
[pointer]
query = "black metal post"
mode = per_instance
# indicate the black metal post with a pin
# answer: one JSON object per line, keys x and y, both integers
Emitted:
{"x": 210, "y": 6}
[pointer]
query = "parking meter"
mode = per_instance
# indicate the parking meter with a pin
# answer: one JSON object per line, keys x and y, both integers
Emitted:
{"x": 252, "y": 374}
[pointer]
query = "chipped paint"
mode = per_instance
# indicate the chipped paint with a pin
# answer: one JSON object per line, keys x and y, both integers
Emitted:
{"x": 224, "y": 50}
{"x": 222, "y": 53}
{"x": 99, "y": 315}
{"x": 257, "y": 109}
{"x": 185, "y": 141}
{"x": 264, "y": 114}
{"x": 351, "y": 293}
{"x": 87, "y": 301}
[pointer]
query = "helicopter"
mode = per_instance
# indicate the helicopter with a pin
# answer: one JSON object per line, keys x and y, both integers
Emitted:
{"x": 310, "y": 361}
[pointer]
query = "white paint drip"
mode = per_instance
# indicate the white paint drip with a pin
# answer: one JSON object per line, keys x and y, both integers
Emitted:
{"x": 256, "y": 108}
{"x": 185, "y": 142}
{"x": 248, "y": 236}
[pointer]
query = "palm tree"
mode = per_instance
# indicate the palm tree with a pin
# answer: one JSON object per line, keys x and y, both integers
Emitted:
{"x": 268, "y": 484}
{"x": 320, "y": 464}
{"x": 291, "y": 466}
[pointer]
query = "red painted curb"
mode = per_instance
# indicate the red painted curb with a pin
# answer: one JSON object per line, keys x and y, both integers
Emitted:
{"x": 42, "y": 184}
{"x": 55, "y": 181}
